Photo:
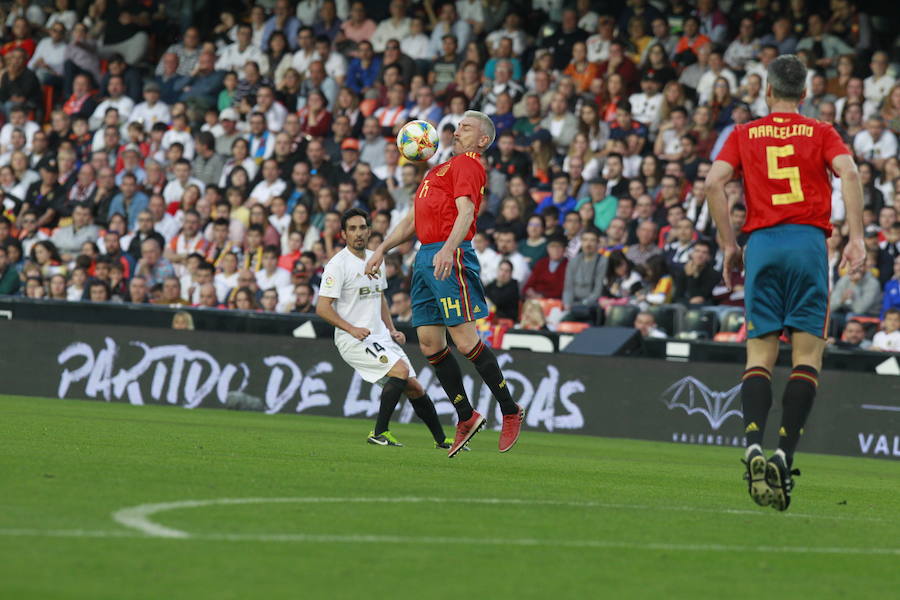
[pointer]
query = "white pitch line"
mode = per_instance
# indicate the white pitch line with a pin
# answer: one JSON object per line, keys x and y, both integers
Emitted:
{"x": 438, "y": 541}
{"x": 138, "y": 517}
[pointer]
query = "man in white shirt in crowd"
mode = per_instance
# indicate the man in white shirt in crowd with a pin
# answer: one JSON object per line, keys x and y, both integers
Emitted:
{"x": 645, "y": 105}
{"x": 761, "y": 66}
{"x": 274, "y": 111}
{"x": 512, "y": 30}
{"x": 876, "y": 143}
{"x": 879, "y": 83}
{"x": 271, "y": 275}
{"x": 598, "y": 44}
{"x": 717, "y": 68}
{"x": 165, "y": 224}
{"x": 507, "y": 249}
{"x": 236, "y": 55}
{"x": 181, "y": 133}
{"x": 50, "y": 56}
{"x": 271, "y": 185}
{"x": 174, "y": 190}
{"x": 18, "y": 119}
{"x": 306, "y": 50}
{"x": 334, "y": 62}
{"x": 189, "y": 241}
{"x": 117, "y": 99}
{"x": 487, "y": 257}
{"x": 151, "y": 110}
{"x": 394, "y": 28}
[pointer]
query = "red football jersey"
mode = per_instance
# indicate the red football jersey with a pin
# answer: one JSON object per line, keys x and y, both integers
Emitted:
{"x": 435, "y": 200}
{"x": 786, "y": 163}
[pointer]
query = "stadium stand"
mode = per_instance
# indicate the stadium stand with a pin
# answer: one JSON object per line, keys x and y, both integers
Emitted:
{"x": 215, "y": 151}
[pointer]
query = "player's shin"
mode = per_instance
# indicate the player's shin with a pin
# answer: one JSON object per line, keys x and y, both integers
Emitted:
{"x": 799, "y": 395}
{"x": 448, "y": 373}
{"x": 390, "y": 396}
{"x": 486, "y": 364}
{"x": 756, "y": 400}
{"x": 424, "y": 409}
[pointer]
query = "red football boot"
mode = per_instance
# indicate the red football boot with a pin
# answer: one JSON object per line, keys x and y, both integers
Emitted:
{"x": 465, "y": 431}
{"x": 512, "y": 425}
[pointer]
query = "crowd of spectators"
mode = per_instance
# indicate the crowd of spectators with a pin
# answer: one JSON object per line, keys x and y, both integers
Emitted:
{"x": 150, "y": 155}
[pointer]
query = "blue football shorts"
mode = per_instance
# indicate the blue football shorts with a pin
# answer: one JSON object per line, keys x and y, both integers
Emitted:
{"x": 786, "y": 280}
{"x": 452, "y": 301}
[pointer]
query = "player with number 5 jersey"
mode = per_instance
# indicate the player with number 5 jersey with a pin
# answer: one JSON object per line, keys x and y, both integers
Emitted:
{"x": 446, "y": 285}
{"x": 786, "y": 161}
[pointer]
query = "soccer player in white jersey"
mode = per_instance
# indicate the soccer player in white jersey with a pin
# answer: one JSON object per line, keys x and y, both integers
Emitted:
{"x": 365, "y": 335}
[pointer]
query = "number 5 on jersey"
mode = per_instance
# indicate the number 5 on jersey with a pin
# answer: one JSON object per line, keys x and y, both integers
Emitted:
{"x": 792, "y": 174}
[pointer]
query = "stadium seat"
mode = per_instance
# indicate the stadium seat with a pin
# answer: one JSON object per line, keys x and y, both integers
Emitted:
{"x": 668, "y": 317}
{"x": 548, "y": 304}
{"x": 622, "y": 315}
{"x": 572, "y": 327}
{"x": 731, "y": 321}
{"x": 699, "y": 324}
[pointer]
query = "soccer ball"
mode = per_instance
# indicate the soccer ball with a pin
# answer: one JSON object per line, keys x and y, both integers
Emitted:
{"x": 417, "y": 141}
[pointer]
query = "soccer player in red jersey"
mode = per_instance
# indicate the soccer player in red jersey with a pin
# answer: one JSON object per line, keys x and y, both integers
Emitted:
{"x": 447, "y": 293}
{"x": 785, "y": 160}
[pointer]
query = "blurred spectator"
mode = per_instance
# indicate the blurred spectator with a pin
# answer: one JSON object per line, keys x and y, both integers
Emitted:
{"x": 855, "y": 293}
{"x": 585, "y": 276}
{"x": 18, "y": 83}
{"x": 183, "y": 320}
{"x": 69, "y": 239}
{"x": 401, "y": 307}
{"x": 548, "y": 275}
{"x": 646, "y": 247}
{"x": 533, "y": 318}
{"x": 9, "y": 277}
{"x": 695, "y": 282}
{"x": 854, "y": 337}
{"x": 888, "y": 339}
{"x": 503, "y": 292}
{"x": 508, "y": 250}
{"x": 645, "y": 322}
{"x": 891, "y": 297}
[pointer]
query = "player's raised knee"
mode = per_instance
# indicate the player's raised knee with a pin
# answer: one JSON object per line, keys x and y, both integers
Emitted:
{"x": 400, "y": 370}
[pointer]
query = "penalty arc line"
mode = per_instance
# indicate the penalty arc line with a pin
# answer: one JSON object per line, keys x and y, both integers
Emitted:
{"x": 400, "y": 540}
{"x": 138, "y": 517}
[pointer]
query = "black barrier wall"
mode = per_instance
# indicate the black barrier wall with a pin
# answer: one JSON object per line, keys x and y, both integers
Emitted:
{"x": 691, "y": 403}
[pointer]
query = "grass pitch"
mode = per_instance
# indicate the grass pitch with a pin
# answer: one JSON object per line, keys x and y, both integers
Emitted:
{"x": 560, "y": 516}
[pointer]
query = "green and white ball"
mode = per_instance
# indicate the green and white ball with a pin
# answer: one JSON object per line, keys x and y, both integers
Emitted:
{"x": 417, "y": 141}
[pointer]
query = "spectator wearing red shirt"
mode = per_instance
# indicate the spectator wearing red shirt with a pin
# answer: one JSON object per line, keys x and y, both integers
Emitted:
{"x": 549, "y": 274}
{"x": 619, "y": 63}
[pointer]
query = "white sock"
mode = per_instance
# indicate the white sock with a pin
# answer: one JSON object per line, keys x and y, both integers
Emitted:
{"x": 783, "y": 456}
{"x": 750, "y": 449}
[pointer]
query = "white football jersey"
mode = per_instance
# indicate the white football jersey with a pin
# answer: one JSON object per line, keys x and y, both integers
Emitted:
{"x": 357, "y": 298}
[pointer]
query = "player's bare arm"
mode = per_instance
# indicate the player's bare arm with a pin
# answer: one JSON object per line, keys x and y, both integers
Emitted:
{"x": 719, "y": 174}
{"x": 397, "y": 336}
{"x": 443, "y": 260}
{"x": 404, "y": 231}
{"x": 325, "y": 310}
{"x": 851, "y": 190}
